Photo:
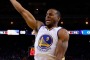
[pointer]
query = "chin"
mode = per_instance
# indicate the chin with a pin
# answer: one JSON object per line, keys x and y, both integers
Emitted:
{"x": 47, "y": 24}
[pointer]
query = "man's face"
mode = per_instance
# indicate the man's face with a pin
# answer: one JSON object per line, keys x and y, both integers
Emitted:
{"x": 51, "y": 17}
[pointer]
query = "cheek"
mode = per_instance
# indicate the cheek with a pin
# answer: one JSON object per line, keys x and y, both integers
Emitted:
{"x": 55, "y": 19}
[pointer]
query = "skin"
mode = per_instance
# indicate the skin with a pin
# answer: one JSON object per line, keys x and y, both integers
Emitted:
{"x": 51, "y": 21}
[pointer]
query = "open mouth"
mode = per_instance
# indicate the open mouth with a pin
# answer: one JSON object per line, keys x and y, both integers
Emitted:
{"x": 47, "y": 20}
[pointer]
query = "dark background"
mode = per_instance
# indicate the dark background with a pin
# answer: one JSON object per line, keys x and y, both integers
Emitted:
{"x": 74, "y": 15}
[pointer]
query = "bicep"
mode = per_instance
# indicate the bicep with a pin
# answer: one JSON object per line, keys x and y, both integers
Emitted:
{"x": 61, "y": 48}
{"x": 63, "y": 39}
{"x": 62, "y": 44}
{"x": 31, "y": 22}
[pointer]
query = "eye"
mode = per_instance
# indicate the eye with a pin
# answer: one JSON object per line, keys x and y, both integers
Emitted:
{"x": 51, "y": 14}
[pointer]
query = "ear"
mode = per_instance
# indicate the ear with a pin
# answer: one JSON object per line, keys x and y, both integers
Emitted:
{"x": 58, "y": 18}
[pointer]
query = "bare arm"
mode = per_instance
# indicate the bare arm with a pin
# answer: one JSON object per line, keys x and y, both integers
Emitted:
{"x": 29, "y": 18}
{"x": 62, "y": 44}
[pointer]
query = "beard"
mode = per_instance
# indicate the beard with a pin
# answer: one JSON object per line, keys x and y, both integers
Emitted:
{"x": 50, "y": 25}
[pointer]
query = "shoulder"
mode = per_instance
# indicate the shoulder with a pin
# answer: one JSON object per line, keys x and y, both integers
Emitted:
{"x": 39, "y": 24}
{"x": 63, "y": 34}
{"x": 62, "y": 30}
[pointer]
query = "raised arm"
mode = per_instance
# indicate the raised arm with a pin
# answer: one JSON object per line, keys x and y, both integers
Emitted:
{"x": 28, "y": 17}
{"x": 62, "y": 44}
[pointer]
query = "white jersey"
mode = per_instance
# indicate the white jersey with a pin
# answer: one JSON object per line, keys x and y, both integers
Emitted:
{"x": 45, "y": 43}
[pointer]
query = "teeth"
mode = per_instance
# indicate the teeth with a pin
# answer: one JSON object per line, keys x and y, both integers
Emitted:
{"x": 48, "y": 21}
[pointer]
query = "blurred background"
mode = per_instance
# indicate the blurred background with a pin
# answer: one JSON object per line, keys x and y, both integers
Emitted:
{"x": 16, "y": 40}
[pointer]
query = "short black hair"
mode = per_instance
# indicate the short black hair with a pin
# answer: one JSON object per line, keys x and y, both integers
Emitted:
{"x": 58, "y": 12}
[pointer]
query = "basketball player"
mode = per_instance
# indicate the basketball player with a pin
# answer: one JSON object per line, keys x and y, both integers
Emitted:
{"x": 51, "y": 41}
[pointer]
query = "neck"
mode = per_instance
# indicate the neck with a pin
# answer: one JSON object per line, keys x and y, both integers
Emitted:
{"x": 50, "y": 27}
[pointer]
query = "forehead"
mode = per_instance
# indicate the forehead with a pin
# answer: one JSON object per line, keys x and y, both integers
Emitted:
{"x": 51, "y": 11}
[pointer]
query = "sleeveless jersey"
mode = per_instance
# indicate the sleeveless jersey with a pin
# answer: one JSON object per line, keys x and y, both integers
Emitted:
{"x": 45, "y": 43}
